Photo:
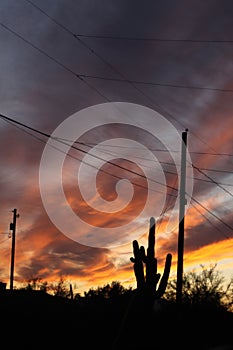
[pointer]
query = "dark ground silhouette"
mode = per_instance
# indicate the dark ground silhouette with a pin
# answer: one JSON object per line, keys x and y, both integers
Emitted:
{"x": 35, "y": 318}
{"x": 141, "y": 319}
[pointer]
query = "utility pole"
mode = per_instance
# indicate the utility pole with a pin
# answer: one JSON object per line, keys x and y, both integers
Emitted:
{"x": 180, "y": 253}
{"x": 13, "y": 229}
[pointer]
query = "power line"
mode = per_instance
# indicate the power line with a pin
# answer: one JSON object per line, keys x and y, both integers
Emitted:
{"x": 140, "y": 82}
{"x": 218, "y": 170}
{"x": 103, "y": 146}
{"x": 133, "y": 83}
{"x": 209, "y": 211}
{"x": 78, "y": 36}
{"x": 123, "y": 168}
{"x": 209, "y": 221}
{"x": 152, "y": 39}
{"x": 212, "y": 180}
{"x": 75, "y": 74}
{"x": 13, "y": 121}
{"x": 172, "y": 187}
{"x": 8, "y": 119}
{"x": 119, "y": 73}
{"x": 209, "y": 180}
{"x": 116, "y": 70}
{"x": 213, "y": 154}
{"x": 168, "y": 206}
{"x": 105, "y": 61}
{"x": 4, "y": 240}
{"x": 53, "y": 59}
{"x": 152, "y": 149}
{"x": 123, "y": 79}
{"x": 88, "y": 164}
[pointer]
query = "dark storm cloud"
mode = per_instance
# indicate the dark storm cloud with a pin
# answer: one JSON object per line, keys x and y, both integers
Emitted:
{"x": 172, "y": 62}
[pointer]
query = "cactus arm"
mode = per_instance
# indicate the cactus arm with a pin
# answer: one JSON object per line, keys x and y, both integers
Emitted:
{"x": 152, "y": 277}
{"x": 138, "y": 265}
{"x": 163, "y": 282}
{"x": 151, "y": 239}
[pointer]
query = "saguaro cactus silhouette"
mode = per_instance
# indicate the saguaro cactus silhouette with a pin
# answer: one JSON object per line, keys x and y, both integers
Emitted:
{"x": 137, "y": 320}
{"x": 148, "y": 279}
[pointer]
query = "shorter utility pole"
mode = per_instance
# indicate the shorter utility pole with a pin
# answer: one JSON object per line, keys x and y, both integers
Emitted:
{"x": 13, "y": 229}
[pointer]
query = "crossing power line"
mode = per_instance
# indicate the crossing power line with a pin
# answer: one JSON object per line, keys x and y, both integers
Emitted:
{"x": 132, "y": 83}
{"x": 81, "y": 77}
{"x": 172, "y": 188}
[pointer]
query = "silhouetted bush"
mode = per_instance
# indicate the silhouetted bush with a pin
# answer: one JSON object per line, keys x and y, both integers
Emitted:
{"x": 205, "y": 290}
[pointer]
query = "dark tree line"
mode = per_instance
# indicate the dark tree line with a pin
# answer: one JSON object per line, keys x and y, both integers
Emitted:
{"x": 207, "y": 288}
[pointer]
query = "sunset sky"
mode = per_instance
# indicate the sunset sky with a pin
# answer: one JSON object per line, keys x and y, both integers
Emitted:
{"x": 94, "y": 96}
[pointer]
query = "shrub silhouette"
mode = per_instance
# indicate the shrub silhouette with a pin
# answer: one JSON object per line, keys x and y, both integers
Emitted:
{"x": 205, "y": 289}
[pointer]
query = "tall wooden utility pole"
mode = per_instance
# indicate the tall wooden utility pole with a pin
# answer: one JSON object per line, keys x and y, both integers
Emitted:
{"x": 181, "y": 219}
{"x": 13, "y": 229}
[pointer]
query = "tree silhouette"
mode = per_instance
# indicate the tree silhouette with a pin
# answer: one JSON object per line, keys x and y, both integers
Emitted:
{"x": 205, "y": 289}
